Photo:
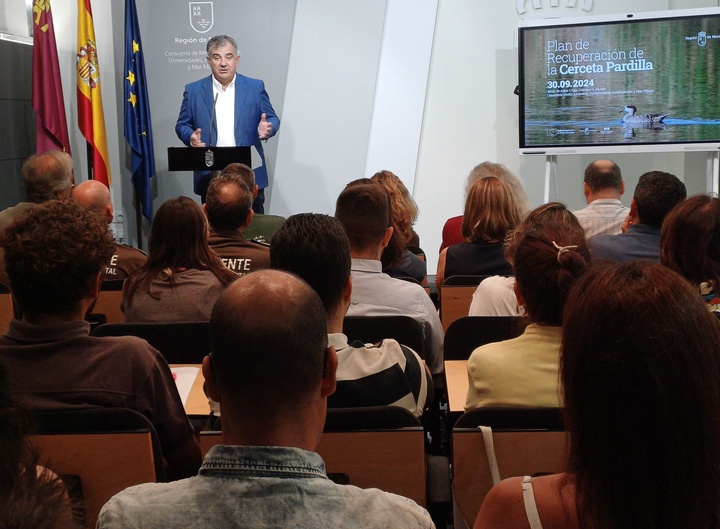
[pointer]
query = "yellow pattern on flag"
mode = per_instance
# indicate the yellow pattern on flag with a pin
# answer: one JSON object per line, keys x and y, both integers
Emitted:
{"x": 91, "y": 119}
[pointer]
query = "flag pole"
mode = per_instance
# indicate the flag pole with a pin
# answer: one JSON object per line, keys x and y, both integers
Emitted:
{"x": 89, "y": 151}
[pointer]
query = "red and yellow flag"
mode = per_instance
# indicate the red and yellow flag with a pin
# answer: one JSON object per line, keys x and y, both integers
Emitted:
{"x": 47, "y": 94}
{"x": 91, "y": 119}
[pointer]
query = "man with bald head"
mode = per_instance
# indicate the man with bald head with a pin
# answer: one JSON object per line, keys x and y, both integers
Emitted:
{"x": 45, "y": 176}
{"x": 228, "y": 208}
{"x": 95, "y": 196}
{"x": 261, "y": 226}
{"x": 603, "y": 186}
{"x": 272, "y": 371}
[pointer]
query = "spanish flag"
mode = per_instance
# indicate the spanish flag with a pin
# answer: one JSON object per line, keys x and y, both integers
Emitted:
{"x": 90, "y": 112}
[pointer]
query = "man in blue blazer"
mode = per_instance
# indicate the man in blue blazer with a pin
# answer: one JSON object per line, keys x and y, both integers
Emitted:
{"x": 227, "y": 109}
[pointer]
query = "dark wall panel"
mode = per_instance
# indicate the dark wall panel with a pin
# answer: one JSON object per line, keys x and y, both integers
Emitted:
{"x": 16, "y": 116}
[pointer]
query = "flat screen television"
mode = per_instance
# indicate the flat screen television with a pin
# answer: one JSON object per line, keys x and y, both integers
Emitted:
{"x": 638, "y": 82}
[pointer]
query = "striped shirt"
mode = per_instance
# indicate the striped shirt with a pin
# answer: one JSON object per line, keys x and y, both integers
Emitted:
{"x": 603, "y": 216}
{"x": 386, "y": 374}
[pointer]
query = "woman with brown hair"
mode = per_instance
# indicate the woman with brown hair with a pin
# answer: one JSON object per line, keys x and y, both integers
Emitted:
{"x": 690, "y": 245}
{"x": 547, "y": 260}
{"x": 495, "y": 295}
{"x": 452, "y": 230}
{"x": 640, "y": 373}
{"x": 397, "y": 259}
{"x": 182, "y": 277}
{"x": 491, "y": 212}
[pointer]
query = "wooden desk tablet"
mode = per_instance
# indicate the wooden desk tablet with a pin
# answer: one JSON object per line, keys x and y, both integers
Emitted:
{"x": 457, "y": 384}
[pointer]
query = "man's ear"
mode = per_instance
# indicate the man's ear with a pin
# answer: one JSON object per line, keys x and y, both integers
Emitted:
{"x": 248, "y": 219}
{"x": 109, "y": 213}
{"x": 586, "y": 191}
{"x": 212, "y": 389}
{"x": 255, "y": 191}
{"x": 622, "y": 188}
{"x": 634, "y": 217}
{"x": 388, "y": 235}
{"x": 329, "y": 380}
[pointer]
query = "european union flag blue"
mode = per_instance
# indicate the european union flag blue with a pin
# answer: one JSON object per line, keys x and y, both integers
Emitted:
{"x": 138, "y": 127}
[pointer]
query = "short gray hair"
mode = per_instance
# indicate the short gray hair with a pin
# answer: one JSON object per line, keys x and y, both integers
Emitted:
{"x": 47, "y": 175}
{"x": 219, "y": 40}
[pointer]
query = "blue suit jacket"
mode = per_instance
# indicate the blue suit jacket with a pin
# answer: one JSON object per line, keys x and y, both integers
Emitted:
{"x": 251, "y": 100}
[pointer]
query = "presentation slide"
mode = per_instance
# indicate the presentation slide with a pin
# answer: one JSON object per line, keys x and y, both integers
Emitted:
{"x": 630, "y": 82}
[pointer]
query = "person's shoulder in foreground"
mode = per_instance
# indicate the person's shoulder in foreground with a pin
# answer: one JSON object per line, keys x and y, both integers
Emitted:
{"x": 249, "y": 487}
{"x": 274, "y": 402}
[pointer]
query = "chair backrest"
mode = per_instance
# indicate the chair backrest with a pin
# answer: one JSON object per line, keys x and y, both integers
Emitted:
{"x": 389, "y": 456}
{"x": 108, "y": 449}
{"x": 179, "y": 342}
{"x": 466, "y": 334}
{"x": 372, "y": 329}
{"x": 525, "y": 441}
{"x": 420, "y": 253}
{"x": 6, "y": 308}
{"x": 456, "y": 294}
{"x": 107, "y": 305}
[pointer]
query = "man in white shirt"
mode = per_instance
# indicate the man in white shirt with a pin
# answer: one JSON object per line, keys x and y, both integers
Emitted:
{"x": 227, "y": 109}
{"x": 364, "y": 211}
{"x": 603, "y": 186}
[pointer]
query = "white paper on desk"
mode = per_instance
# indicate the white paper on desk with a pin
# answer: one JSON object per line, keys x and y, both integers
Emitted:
{"x": 184, "y": 379}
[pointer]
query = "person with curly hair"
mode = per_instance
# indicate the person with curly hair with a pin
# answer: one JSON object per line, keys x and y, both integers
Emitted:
{"x": 404, "y": 215}
{"x": 55, "y": 254}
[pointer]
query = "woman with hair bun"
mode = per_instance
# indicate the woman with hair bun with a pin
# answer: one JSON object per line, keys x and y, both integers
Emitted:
{"x": 547, "y": 260}
{"x": 640, "y": 372}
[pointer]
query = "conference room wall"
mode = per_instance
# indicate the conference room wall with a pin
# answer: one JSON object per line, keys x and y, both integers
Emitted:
{"x": 469, "y": 112}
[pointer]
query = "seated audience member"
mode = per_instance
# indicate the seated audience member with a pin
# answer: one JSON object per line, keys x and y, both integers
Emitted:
{"x": 364, "y": 212}
{"x": 452, "y": 230}
{"x": 404, "y": 212}
{"x": 262, "y": 226}
{"x": 228, "y": 206}
{"x": 547, "y": 260}
{"x": 655, "y": 195}
{"x": 490, "y": 214}
{"x": 315, "y": 248}
{"x": 30, "y": 494}
{"x": 45, "y": 176}
{"x": 272, "y": 371}
{"x": 641, "y": 405}
{"x": 690, "y": 245}
{"x": 603, "y": 186}
{"x": 95, "y": 196}
{"x": 182, "y": 277}
{"x": 55, "y": 254}
{"x": 495, "y": 295}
